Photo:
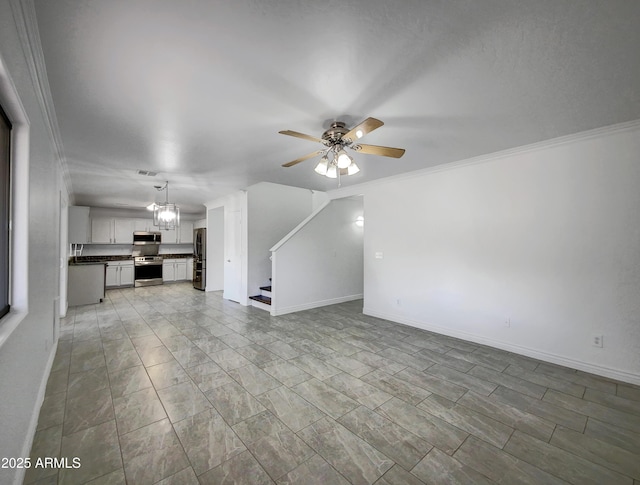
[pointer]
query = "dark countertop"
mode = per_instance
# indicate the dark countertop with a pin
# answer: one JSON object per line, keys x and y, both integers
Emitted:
{"x": 176, "y": 256}
{"x": 98, "y": 259}
{"x": 106, "y": 259}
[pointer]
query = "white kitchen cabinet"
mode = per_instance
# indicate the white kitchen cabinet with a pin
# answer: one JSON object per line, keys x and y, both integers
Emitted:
{"x": 186, "y": 233}
{"x": 126, "y": 275}
{"x": 182, "y": 235}
{"x": 115, "y": 230}
{"x": 102, "y": 230}
{"x": 119, "y": 273}
{"x": 108, "y": 230}
{"x": 168, "y": 271}
{"x": 169, "y": 237}
{"x": 123, "y": 231}
{"x": 78, "y": 224}
{"x": 189, "y": 268}
{"x": 174, "y": 270}
{"x": 181, "y": 270}
{"x": 112, "y": 276}
{"x": 143, "y": 225}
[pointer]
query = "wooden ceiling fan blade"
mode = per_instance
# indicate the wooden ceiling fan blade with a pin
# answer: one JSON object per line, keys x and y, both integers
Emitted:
{"x": 302, "y": 159}
{"x": 377, "y": 150}
{"x": 301, "y": 135}
{"x": 358, "y": 131}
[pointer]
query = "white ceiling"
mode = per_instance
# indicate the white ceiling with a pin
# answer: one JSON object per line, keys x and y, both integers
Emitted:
{"x": 197, "y": 90}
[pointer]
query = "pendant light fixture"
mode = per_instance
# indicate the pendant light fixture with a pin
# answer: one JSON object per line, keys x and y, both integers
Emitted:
{"x": 166, "y": 216}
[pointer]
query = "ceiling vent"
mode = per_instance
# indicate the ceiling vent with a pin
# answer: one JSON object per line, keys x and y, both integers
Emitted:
{"x": 146, "y": 173}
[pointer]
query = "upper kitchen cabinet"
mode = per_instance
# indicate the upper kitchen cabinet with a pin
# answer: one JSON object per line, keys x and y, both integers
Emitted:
{"x": 123, "y": 231}
{"x": 101, "y": 230}
{"x": 78, "y": 224}
{"x": 183, "y": 235}
{"x": 143, "y": 225}
{"x": 107, "y": 230}
{"x": 186, "y": 232}
{"x": 169, "y": 236}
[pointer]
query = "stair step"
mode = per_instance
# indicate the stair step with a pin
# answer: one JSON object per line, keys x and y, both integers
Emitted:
{"x": 266, "y": 288}
{"x": 262, "y": 299}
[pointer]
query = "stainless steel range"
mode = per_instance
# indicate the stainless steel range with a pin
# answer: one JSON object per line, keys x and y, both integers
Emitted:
{"x": 147, "y": 265}
{"x": 147, "y": 270}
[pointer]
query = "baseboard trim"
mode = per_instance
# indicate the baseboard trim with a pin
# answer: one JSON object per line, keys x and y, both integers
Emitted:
{"x": 603, "y": 371}
{"x": 314, "y": 304}
{"x": 33, "y": 423}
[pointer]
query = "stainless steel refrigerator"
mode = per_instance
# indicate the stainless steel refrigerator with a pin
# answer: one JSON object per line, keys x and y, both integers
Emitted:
{"x": 199, "y": 258}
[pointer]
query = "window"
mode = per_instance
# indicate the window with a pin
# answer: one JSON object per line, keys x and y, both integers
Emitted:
{"x": 14, "y": 207}
{"x": 5, "y": 211}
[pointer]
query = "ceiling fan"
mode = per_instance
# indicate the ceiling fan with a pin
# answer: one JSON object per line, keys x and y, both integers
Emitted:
{"x": 336, "y": 139}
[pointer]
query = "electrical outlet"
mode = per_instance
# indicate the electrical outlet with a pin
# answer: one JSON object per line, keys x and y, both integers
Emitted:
{"x": 507, "y": 323}
{"x": 398, "y": 302}
{"x": 598, "y": 341}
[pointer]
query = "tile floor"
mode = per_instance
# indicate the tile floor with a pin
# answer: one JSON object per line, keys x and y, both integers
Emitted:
{"x": 172, "y": 385}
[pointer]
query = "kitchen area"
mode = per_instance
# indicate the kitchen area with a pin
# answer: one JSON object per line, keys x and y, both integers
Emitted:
{"x": 115, "y": 250}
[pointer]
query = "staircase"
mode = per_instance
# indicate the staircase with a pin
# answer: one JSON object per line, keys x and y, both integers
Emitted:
{"x": 263, "y": 300}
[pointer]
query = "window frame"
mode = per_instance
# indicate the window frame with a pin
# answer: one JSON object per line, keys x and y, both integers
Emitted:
{"x": 5, "y": 215}
{"x": 19, "y": 215}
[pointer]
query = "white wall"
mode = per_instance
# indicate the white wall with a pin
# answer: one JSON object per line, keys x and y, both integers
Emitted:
{"x": 26, "y": 354}
{"x": 273, "y": 211}
{"x": 547, "y": 237}
{"x": 321, "y": 263}
{"x": 318, "y": 198}
{"x": 215, "y": 249}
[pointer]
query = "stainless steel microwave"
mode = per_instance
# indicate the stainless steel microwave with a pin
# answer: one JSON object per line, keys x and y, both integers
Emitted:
{"x": 143, "y": 238}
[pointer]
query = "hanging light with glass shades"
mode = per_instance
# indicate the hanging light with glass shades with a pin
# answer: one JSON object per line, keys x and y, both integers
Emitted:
{"x": 166, "y": 216}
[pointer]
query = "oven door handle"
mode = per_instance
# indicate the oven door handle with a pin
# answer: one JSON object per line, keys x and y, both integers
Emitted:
{"x": 148, "y": 263}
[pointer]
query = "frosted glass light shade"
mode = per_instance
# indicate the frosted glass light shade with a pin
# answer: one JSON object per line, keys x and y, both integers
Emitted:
{"x": 332, "y": 172}
{"x": 353, "y": 168}
{"x": 322, "y": 166}
{"x": 344, "y": 160}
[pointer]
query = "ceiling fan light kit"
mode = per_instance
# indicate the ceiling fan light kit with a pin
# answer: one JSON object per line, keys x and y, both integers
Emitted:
{"x": 336, "y": 139}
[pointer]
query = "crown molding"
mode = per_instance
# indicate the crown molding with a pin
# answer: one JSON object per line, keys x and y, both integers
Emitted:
{"x": 24, "y": 15}
{"x": 609, "y": 130}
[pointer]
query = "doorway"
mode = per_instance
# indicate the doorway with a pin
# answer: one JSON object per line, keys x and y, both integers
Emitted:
{"x": 233, "y": 256}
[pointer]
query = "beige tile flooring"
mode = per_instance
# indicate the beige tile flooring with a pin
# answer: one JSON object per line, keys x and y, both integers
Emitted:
{"x": 175, "y": 386}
